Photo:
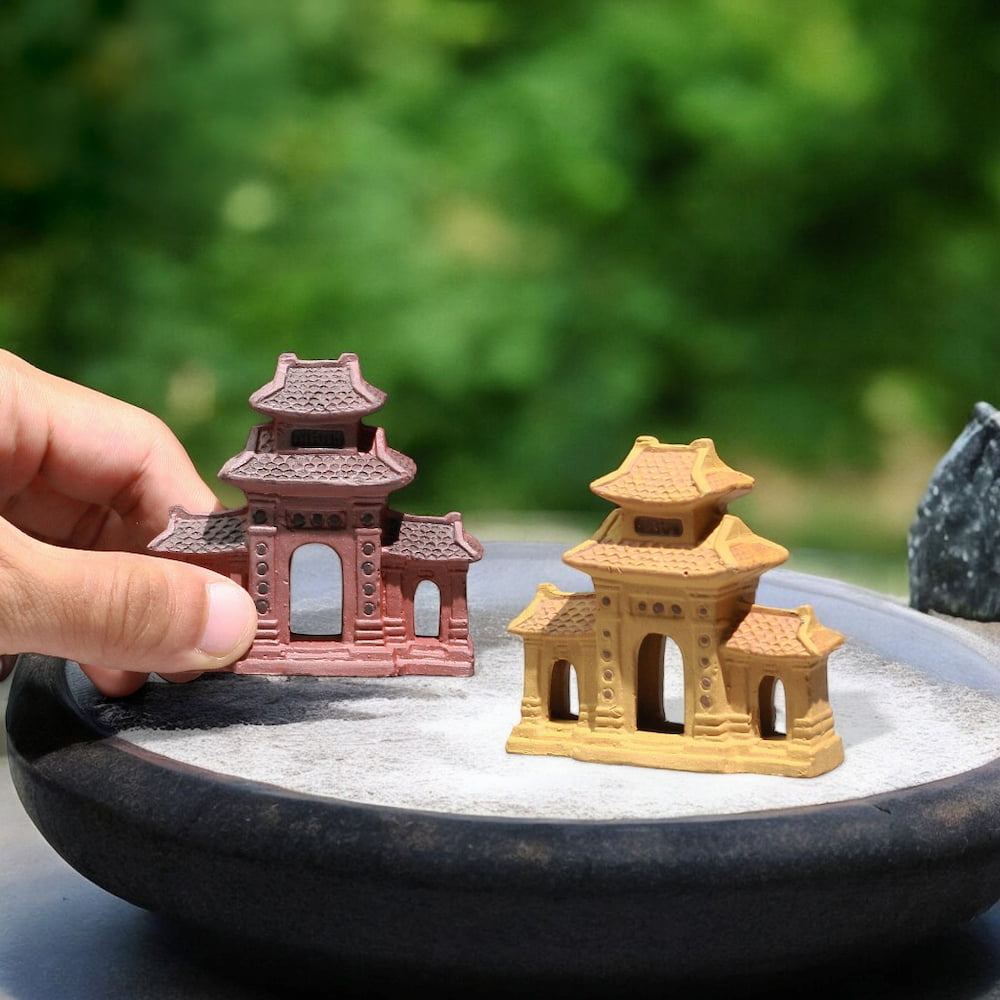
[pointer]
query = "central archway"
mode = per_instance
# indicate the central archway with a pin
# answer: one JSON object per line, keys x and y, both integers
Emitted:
{"x": 659, "y": 685}
{"x": 316, "y": 593}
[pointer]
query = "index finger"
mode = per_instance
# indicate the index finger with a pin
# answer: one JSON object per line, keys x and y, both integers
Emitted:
{"x": 92, "y": 448}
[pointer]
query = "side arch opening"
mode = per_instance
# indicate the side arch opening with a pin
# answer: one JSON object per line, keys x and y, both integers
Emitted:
{"x": 772, "y": 710}
{"x": 427, "y": 610}
{"x": 564, "y": 693}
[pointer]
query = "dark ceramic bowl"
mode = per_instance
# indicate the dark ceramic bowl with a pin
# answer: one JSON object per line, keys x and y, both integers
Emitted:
{"x": 359, "y": 889}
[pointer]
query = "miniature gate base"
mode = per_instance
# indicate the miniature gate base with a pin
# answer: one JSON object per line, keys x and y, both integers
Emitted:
{"x": 352, "y": 662}
{"x": 730, "y": 754}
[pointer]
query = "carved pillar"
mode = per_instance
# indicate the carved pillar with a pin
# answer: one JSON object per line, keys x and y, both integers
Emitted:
{"x": 455, "y": 616}
{"x": 266, "y": 580}
{"x": 367, "y": 589}
{"x": 393, "y": 613}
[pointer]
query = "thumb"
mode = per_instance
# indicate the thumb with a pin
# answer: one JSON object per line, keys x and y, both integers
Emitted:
{"x": 119, "y": 610}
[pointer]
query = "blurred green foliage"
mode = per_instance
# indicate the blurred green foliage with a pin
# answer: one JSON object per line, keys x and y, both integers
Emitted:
{"x": 544, "y": 227}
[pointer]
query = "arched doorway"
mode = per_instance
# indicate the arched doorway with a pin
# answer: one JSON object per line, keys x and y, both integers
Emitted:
{"x": 659, "y": 696}
{"x": 316, "y": 593}
{"x": 772, "y": 709}
{"x": 564, "y": 693}
{"x": 427, "y": 609}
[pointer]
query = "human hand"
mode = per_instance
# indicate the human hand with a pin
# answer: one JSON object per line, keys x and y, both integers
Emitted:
{"x": 86, "y": 482}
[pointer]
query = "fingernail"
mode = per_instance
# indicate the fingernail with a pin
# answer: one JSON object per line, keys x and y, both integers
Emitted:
{"x": 228, "y": 629}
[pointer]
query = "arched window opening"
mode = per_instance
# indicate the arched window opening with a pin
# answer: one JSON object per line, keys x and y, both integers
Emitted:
{"x": 427, "y": 609}
{"x": 659, "y": 686}
{"x": 772, "y": 709}
{"x": 564, "y": 693}
{"x": 316, "y": 582}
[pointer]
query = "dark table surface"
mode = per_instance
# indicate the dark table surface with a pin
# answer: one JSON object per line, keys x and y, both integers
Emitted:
{"x": 63, "y": 937}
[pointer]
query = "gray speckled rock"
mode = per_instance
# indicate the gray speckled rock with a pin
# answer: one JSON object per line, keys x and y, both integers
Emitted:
{"x": 954, "y": 542}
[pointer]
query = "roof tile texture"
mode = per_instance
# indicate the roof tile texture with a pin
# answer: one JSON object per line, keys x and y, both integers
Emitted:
{"x": 345, "y": 468}
{"x": 555, "y": 613}
{"x": 203, "y": 534}
{"x": 330, "y": 388}
{"x": 434, "y": 539}
{"x": 775, "y": 632}
{"x": 658, "y": 474}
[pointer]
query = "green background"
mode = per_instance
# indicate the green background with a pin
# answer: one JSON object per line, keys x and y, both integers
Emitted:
{"x": 545, "y": 227}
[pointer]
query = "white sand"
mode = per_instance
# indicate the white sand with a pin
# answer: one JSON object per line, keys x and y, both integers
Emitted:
{"x": 438, "y": 743}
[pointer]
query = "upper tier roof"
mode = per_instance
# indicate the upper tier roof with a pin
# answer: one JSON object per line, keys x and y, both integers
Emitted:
{"x": 730, "y": 548}
{"x": 331, "y": 471}
{"x": 656, "y": 475}
{"x": 305, "y": 471}
{"x": 317, "y": 390}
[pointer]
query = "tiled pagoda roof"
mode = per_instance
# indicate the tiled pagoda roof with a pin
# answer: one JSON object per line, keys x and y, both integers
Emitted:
{"x": 776, "y": 632}
{"x": 731, "y": 547}
{"x": 382, "y": 467}
{"x": 555, "y": 612}
{"x": 434, "y": 539}
{"x": 318, "y": 390}
{"x": 202, "y": 534}
{"x": 661, "y": 475}
{"x": 349, "y": 469}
